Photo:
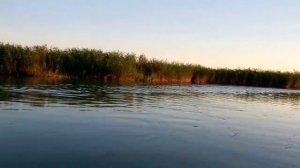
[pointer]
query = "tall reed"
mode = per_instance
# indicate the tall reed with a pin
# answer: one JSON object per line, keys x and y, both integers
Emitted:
{"x": 16, "y": 60}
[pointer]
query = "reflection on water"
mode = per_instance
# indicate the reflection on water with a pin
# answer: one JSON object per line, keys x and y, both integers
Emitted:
{"x": 100, "y": 95}
{"x": 80, "y": 124}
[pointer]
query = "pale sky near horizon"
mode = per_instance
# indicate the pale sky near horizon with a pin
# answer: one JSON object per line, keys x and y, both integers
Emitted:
{"x": 262, "y": 34}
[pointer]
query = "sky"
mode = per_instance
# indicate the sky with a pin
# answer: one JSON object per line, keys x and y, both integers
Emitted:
{"x": 263, "y": 34}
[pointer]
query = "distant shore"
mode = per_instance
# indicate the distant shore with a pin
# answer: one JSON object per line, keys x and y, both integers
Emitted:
{"x": 53, "y": 63}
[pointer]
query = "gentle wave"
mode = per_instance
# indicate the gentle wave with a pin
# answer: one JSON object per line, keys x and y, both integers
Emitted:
{"x": 142, "y": 95}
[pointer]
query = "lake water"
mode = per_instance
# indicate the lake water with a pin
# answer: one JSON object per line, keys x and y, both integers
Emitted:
{"x": 80, "y": 124}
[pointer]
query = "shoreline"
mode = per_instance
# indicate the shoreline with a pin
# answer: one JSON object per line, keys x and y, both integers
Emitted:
{"x": 130, "y": 81}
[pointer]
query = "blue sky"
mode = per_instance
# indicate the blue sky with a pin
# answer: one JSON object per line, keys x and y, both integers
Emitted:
{"x": 261, "y": 34}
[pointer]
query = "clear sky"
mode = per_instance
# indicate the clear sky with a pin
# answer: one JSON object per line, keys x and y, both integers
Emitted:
{"x": 261, "y": 34}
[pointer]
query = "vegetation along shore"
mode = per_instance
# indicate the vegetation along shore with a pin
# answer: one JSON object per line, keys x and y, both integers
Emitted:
{"x": 41, "y": 61}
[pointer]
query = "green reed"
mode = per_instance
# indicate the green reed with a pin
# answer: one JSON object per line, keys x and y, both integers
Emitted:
{"x": 16, "y": 60}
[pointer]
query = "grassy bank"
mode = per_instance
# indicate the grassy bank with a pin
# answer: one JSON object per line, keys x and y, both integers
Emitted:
{"x": 40, "y": 61}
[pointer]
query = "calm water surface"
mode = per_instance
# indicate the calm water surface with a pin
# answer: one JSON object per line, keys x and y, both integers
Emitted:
{"x": 77, "y": 124}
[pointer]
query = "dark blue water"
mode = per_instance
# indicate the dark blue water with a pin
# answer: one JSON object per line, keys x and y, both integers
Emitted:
{"x": 67, "y": 124}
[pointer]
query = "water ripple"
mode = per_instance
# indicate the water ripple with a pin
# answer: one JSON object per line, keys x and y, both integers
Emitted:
{"x": 142, "y": 95}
